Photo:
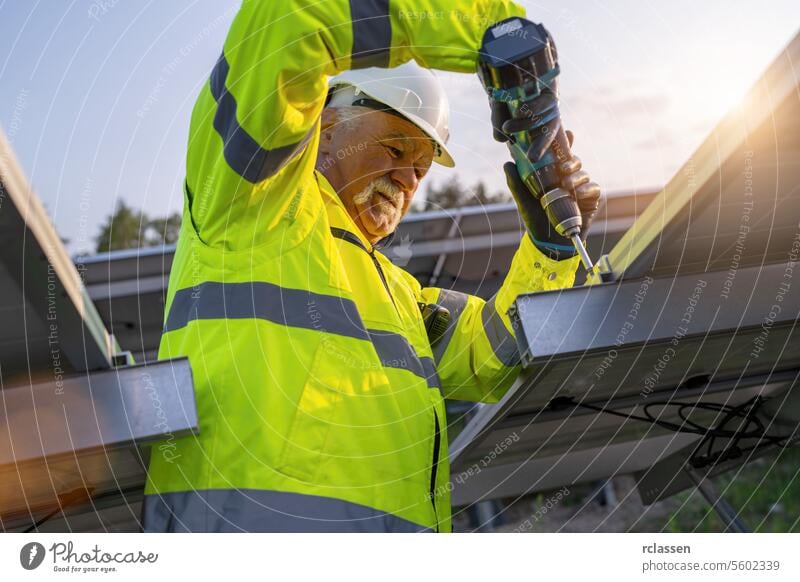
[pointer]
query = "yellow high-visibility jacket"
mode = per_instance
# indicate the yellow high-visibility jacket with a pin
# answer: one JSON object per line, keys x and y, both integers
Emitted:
{"x": 320, "y": 399}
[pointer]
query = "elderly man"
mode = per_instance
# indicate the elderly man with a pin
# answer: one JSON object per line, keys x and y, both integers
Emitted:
{"x": 321, "y": 368}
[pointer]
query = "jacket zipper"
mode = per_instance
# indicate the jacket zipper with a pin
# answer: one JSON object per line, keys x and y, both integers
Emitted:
{"x": 353, "y": 239}
{"x": 383, "y": 279}
{"x": 437, "y": 435}
{"x": 437, "y": 438}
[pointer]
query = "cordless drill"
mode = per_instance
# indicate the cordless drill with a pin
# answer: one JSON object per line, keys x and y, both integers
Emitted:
{"x": 518, "y": 67}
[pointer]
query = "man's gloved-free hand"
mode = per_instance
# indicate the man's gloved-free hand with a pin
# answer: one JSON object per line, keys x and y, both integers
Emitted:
{"x": 576, "y": 182}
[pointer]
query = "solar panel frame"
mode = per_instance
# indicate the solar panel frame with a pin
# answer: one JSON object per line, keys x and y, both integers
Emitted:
{"x": 50, "y": 317}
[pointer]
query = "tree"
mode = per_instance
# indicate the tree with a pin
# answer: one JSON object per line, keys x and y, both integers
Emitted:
{"x": 482, "y": 196}
{"x": 452, "y": 194}
{"x": 129, "y": 228}
{"x": 163, "y": 231}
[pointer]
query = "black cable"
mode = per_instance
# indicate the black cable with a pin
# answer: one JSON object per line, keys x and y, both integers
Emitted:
{"x": 749, "y": 427}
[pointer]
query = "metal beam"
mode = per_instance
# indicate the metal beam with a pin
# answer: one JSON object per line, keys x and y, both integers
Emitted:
{"x": 70, "y": 444}
{"x": 627, "y": 313}
{"x": 728, "y": 515}
{"x": 131, "y": 404}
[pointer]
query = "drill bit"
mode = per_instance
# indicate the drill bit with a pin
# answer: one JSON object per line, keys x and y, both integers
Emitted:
{"x": 585, "y": 259}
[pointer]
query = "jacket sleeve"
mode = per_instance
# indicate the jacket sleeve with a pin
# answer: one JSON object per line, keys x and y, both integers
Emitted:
{"x": 477, "y": 358}
{"x": 254, "y": 128}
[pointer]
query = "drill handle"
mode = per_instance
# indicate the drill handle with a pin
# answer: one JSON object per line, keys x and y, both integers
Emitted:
{"x": 545, "y": 166}
{"x": 500, "y": 115}
{"x": 560, "y": 205}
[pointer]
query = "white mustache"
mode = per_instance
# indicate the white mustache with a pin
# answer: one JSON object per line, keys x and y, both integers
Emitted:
{"x": 385, "y": 186}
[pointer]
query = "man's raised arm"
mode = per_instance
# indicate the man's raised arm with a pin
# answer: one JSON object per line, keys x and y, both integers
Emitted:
{"x": 254, "y": 127}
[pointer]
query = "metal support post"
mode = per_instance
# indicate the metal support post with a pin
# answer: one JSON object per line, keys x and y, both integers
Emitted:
{"x": 727, "y": 514}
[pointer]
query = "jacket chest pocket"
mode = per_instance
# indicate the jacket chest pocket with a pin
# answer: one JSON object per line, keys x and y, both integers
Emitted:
{"x": 350, "y": 424}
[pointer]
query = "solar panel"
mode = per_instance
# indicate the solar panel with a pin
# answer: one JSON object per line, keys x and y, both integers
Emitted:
{"x": 736, "y": 201}
{"x": 51, "y": 324}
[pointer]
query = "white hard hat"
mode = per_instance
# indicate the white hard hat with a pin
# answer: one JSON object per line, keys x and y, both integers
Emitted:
{"x": 413, "y": 92}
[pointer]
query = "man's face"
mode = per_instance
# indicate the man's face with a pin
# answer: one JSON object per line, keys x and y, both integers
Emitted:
{"x": 375, "y": 163}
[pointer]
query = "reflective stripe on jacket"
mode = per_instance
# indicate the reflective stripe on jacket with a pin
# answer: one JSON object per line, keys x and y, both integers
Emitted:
{"x": 320, "y": 399}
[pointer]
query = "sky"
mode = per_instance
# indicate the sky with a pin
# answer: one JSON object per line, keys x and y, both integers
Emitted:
{"x": 96, "y": 96}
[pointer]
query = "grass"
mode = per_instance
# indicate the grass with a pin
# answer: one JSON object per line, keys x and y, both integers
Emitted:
{"x": 766, "y": 493}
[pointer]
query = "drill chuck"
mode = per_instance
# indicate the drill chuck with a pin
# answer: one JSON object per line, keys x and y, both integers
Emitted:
{"x": 562, "y": 211}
